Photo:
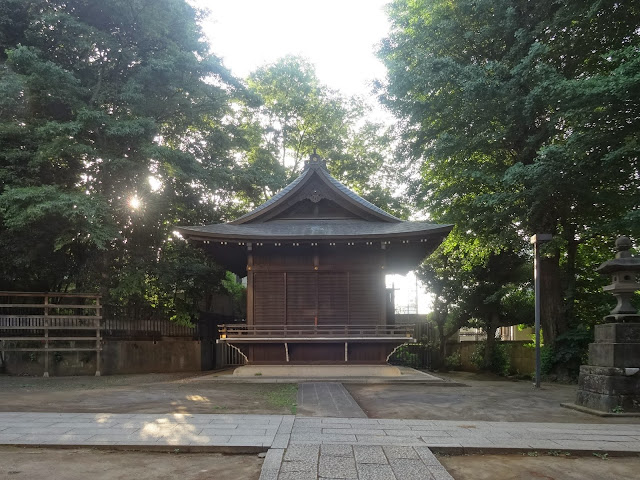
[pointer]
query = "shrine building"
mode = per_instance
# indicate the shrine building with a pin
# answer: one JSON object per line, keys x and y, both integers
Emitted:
{"x": 315, "y": 256}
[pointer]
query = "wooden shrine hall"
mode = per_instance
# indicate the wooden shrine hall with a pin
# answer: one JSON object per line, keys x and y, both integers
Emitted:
{"x": 315, "y": 256}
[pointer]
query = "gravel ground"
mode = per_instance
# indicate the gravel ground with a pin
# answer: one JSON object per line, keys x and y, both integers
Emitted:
{"x": 150, "y": 393}
{"x": 80, "y": 464}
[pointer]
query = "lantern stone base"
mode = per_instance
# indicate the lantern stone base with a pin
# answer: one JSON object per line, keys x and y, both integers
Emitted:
{"x": 611, "y": 381}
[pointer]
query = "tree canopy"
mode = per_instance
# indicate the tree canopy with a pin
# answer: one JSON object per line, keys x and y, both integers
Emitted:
{"x": 525, "y": 118}
{"x": 117, "y": 123}
{"x": 113, "y": 130}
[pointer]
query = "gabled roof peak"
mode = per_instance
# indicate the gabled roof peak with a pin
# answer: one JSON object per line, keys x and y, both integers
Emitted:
{"x": 315, "y": 183}
{"x": 315, "y": 161}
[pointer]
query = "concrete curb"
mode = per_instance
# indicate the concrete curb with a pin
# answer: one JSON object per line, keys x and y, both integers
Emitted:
{"x": 227, "y": 449}
{"x": 598, "y": 413}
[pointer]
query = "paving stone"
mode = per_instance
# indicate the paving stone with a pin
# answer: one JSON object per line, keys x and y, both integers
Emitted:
{"x": 375, "y": 472}
{"x": 232, "y": 431}
{"x": 297, "y": 476}
{"x": 271, "y": 464}
{"x": 389, "y": 440}
{"x": 280, "y": 441}
{"x": 394, "y": 421}
{"x": 415, "y": 433}
{"x": 308, "y": 465}
{"x": 353, "y": 431}
{"x": 296, "y": 452}
{"x": 307, "y": 430}
{"x": 409, "y": 469}
{"x": 353, "y": 420}
{"x": 248, "y": 441}
{"x": 323, "y": 438}
{"x": 439, "y": 473}
{"x": 30, "y": 429}
{"x": 337, "y": 467}
{"x": 370, "y": 426}
{"x": 286, "y": 425}
{"x": 400, "y": 452}
{"x": 427, "y": 456}
{"x": 338, "y": 450}
{"x": 369, "y": 454}
{"x": 439, "y": 441}
{"x": 329, "y": 399}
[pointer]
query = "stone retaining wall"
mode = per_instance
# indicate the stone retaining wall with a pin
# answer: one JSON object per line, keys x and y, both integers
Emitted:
{"x": 523, "y": 358}
{"x": 119, "y": 357}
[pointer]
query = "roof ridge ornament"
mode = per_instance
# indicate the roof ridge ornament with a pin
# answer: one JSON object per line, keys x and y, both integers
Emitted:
{"x": 315, "y": 161}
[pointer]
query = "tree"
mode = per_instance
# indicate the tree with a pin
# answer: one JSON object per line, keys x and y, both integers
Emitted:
{"x": 300, "y": 115}
{"x": 113, "y": 130}
{"x": 525, "y": 118}
{"x": 476, "y": 287}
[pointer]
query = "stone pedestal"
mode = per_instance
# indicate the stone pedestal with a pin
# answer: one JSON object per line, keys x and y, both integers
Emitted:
{"x": 611, "y": 380}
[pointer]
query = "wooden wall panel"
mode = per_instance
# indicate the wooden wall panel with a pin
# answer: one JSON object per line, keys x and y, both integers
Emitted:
{"x": 370, "y": 353}
{"x": 316, "y": 353}
{"x": 367, "y": 298}
{"x": 268, "y": 353}
{"x": 333, "y": 298}
{"x": 302, "y": 298}
{"x": 281, "y": 257}
{"x": 268, "y": 298}
{"x": 359, "y": 256}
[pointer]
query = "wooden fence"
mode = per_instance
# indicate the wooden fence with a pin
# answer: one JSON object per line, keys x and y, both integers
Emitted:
{"x": 50, "y": 322}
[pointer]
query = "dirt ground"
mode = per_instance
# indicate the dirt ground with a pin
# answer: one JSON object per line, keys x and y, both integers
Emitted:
{"x": 151, "y": 393}
{"x": 534, "y": 465}
{"x": 80, "y": 464}
{"x": 484, "y": 397}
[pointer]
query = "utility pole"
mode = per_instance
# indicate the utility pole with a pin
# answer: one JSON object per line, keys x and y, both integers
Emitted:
{"x": 537, "y": 240}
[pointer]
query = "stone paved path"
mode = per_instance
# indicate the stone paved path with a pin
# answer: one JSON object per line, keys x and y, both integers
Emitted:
{"x": 327, "y": 399}
{"x": 316, "y": 447}
{"x": 364, "y": 462}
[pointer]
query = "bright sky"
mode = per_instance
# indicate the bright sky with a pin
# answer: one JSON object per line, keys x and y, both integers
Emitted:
{"x": 338, "y": 36}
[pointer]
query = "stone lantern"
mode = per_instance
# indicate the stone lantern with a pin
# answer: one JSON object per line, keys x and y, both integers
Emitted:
{"x": 623, "y": 270}
{"x": 611, "y": 380}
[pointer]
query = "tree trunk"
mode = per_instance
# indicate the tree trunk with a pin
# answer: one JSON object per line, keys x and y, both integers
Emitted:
{"x": 442, "y": 349}
{"x": 570, "y": 274}
{"x": 492, "y": 325}
{"x": 552, "y": 318}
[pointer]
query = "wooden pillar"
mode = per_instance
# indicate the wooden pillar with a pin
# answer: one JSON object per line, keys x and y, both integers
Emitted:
{"x": 382, "y": 294}
{"x": 46, "y": 336}
{"x": 98, "y": 338}
{"x": 249, "y": 283}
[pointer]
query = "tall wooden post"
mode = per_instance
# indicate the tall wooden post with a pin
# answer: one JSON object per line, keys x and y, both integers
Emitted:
{"x": 249, "y": 283}
{"x": 98, "y": 339}
{"x": 46, "y": 336}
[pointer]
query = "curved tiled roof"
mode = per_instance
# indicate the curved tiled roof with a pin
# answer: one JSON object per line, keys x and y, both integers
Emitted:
{"x": 335, "y": 229}
{"x": 263, "y": 222}
{"x": 316, "y": 166}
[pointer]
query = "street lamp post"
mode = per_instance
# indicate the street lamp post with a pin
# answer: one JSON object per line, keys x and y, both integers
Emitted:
{"x": 538, "y": 239}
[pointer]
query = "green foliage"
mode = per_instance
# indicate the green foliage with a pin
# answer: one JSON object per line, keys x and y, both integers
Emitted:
{"x": 453, "y": 361}
{"x": 547, "y": 359}
{"x": 279, "y": 396}
{"x": 238, "y": 293}
{"x": 300, "y": 115}
{"x": 499, "y": 362}
{"x": 413, "y": 356}
{"x": 96, "y": 99}
{"x": 514, "y": 136}
{"x": 568, "y": 353}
